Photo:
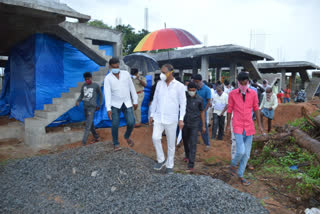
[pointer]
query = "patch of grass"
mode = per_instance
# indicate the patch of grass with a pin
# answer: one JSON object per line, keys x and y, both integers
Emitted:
{"x": 302, "y": 181}
{"x": 3, "y": 163}
{"x": 210, "y": 160}
{"x": 262, "y": 202}
{"x": 301, "y": 123}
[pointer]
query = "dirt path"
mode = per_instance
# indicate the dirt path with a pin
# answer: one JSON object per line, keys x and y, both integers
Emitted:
{"x": 214, "y": 163}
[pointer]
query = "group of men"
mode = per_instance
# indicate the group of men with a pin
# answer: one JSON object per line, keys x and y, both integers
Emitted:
{"x": 175, "y": 107}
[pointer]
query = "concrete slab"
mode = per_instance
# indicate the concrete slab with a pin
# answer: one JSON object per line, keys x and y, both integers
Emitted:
{"x": 14, "y": 130}
{"x": 45, "y": 6}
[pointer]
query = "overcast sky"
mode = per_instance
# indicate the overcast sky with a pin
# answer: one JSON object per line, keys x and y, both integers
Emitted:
{"x": 285, "y": 29}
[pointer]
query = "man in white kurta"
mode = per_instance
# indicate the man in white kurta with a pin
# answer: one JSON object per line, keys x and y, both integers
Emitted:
{"x": 167, "y": 111}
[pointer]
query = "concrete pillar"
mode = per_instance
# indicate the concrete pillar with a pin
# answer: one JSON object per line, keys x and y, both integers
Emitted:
{"x": 218, "y": 74}
{"x": 293, "y": 82}
{"x": 194, "y": 67}
{"x": 204, "y": 67}
{"x": 303, "y": 84}
{"x": 233, "y": 72}
{"x": 181, "y": 74}
{"x": 283, "y": 79}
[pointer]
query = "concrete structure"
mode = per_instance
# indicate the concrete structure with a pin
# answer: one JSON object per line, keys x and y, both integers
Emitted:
{"x": 313, "y": 85}
{"x": 292, "y": 67}
{"x": 216, "y": 57}
{"x": 22, "y": 18}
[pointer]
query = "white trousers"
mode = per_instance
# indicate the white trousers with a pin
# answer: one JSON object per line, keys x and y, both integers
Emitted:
{"x": 170, "y": 131}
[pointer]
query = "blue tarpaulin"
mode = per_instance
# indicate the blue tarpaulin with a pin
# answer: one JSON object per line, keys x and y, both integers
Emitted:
{"x": 41, "y": 68}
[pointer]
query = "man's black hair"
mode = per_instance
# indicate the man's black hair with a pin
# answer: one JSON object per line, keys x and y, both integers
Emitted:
{"x": 226, "y": 82}
{"x": 219, "y": 82}
{"x": 243, "y": 76}
{"x": 87, "y": 74}
{"x": 114, "y": 60}
{"x": 205, "y": 82}
{"x": 186, "y": 81}
{"x": 192, "y": 85}
{"x": 255, "y": 80}
{"x": 264, "y": 81}
{"x": 134, "y": 71}
{"x": 197, "y": 77}
{"x": 233, "y": 84}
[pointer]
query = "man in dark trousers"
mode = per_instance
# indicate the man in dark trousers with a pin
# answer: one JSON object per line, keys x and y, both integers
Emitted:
{"x": 89, "y": 92}
{"x": 194, "y": 116}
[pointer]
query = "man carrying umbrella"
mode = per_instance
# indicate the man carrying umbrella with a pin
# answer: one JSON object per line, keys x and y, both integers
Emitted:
{"x": 167, "y": 111}
{"x": 139, "y": 83}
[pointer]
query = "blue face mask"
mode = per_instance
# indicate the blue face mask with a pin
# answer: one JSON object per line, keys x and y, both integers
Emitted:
{"x": 115, "y": 70}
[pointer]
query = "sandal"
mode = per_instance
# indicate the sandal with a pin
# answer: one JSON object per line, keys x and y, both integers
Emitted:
{"x": 117, "y": 148}
{"x": 244, "y": 182}
{"x": 233, "y": 171}
{"x": 95, "y": 140}
{"x": 130, "y": 142}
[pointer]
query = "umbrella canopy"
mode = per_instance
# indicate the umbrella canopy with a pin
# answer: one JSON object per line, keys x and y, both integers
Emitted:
{"x": 165, "y": 39}
{"x": 142, "y": 62}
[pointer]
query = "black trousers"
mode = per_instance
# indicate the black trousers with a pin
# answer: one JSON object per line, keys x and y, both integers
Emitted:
{"x": 190, "y": 138}
{"x": 218, "y": 122}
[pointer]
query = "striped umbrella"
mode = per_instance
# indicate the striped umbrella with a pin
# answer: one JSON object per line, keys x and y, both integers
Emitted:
{"x": 166, "y": 39}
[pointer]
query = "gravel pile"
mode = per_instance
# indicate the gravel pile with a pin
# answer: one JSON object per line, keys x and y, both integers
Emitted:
{"x": 94, "y": 179}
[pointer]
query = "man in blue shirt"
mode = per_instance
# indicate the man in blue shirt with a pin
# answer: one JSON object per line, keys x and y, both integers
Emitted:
{"x": 205, "y": 93}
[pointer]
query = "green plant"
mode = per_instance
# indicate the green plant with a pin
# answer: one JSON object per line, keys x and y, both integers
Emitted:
{"x": 210, "y": 160}
{"x": 301, "y": 123}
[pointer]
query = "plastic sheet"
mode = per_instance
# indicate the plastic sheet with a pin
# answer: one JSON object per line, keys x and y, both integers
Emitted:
{"x": 41, "y": 68}
{"x": 22, "y": 97}
{"x": 5, "y": 92}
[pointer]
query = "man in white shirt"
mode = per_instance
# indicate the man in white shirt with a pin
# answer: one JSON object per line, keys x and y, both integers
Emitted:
{"x": 220, "y": 105}
{"x": 227, "y": 87}
{"x": 268, "y": 105}
{"x": 167, "y": 111}
{"x": 118, "y": 90}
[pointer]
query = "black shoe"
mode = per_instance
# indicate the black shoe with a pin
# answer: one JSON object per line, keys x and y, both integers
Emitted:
{"x": 169, "y": 171}
{"x": 159, "y": 166}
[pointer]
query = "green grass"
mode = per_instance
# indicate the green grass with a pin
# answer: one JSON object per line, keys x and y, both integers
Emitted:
{"x": 3, "y": 163}
{"x": 305, "y": 179}
{"x": 210, "y": 160}
{"x": 301, "y": 123}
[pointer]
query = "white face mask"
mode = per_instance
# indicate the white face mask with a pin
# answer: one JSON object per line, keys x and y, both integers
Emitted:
{"x": 134, "y": 77}
{"x": 163, "y": 77}
{"x": 192, "y": 93}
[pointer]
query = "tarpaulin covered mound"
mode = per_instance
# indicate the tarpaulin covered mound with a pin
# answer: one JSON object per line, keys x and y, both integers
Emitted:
{"x": 94, "y": 179}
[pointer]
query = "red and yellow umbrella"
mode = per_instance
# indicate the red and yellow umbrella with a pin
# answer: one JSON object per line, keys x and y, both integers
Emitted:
{"x": 166, "y": 39}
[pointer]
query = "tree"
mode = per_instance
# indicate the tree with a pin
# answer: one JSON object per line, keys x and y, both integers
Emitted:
{"x": 130, "y": 37}
{"x": 99, "y": 24}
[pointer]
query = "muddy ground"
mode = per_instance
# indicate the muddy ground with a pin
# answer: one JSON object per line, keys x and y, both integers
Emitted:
{"x": 213, "y": 163}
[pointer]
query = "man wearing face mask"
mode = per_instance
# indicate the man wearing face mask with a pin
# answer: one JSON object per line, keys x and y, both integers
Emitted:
{"x": 139, "y": 83}
{"x": 205, "y": 93}
{"x": 240, "y": 103}
{"x": 88, "y": 95}
{"x": 220, "y": 105}
{"x": 167, "y": 111}
{"x": 268, "y": 105}
{"x": 118, "y": 90}
{"x": 194, "y": 116}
